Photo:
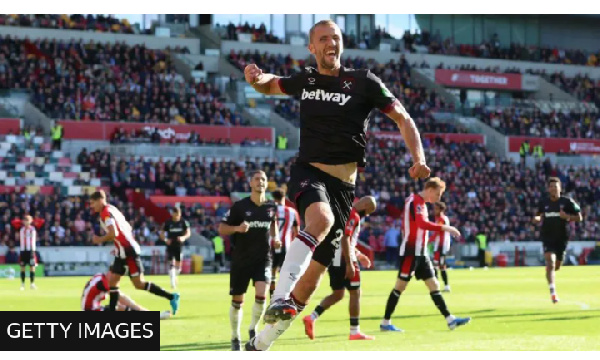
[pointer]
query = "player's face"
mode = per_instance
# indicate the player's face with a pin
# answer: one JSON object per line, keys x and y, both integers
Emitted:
{"x": 437, "y": 210}
{"x": 327, "y": 46}
{"x": 26, "y": 222}
{"x": 554, "y": 189}
{"x": 259, "y": 183}
{"x": 96, "y": 205}
{"x": 435, "y": 195}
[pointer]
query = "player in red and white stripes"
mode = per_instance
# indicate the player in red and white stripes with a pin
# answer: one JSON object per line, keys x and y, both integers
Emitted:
{"x": 344, "y": 277}
{"x": 27, "y": 239}
{"x": 95, "y": 291}
{"x": 289, "y": 225}
{"x": 441, "y": 244}
{"x": 413, "y": 253}
{"x": 127, "y": 252}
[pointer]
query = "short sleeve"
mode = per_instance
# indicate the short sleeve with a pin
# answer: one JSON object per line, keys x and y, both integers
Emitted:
{"x": 540, "y": 207}
{"x": 106, "y": 218}
{"x": 233, "y": 216}
{"x": 378, "y": 94}
{"x": 352, "y": 223}
{"x": 186, "y": 225}
{"x": 572, "y": 207}
{"x": 292, "y": 85}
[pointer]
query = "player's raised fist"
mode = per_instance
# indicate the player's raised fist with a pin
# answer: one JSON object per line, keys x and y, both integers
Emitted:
{"x": 252, "y": 73}
{"x": 419, "y": 171}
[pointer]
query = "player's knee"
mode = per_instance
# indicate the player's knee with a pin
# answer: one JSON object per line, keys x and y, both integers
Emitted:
{"x": 139, "y": 285}
{"x": 338, "y": 295}
{"x": 319, "y": 221}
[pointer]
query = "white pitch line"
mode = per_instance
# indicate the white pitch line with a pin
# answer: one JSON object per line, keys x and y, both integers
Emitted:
{"x": 582, "y": 306}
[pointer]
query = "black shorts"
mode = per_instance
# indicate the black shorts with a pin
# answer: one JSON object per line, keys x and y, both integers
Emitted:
{"x": 131, "y": 265}
{"x": 419, "y": 266}
{"x": 277, "y": 259}
{"x": 338, "y": 281}
{"x": 174, "y": 252}
{"x": 27, "y": 257}
{"x": 557, "y": 248}
{"x": 308, "y": 185}
{"x": 240, "y": 276}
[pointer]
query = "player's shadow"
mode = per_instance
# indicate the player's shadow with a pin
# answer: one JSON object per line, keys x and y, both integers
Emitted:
{"x": 224, "y": 345}
{"x": 419, "y": 315}
{"x": 492, "y": 316}
{"x": 563, "y": 318}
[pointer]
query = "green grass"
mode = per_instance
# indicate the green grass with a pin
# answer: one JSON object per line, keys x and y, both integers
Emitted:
{"x": 511, "y": 310}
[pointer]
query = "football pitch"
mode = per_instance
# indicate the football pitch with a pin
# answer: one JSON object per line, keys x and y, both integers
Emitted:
{"x": 510, "y": 307}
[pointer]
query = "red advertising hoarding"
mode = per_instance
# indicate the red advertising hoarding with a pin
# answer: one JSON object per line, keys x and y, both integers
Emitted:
{"x": 478, "y": 80}
{"x": 90, "y": 130}
{"x": 472, "y": 138}
{"x": 8, "y": 125}
{"x": 554, "y": 145}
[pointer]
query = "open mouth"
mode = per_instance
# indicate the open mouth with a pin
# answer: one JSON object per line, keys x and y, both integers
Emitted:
{"x": 332, "y": 54}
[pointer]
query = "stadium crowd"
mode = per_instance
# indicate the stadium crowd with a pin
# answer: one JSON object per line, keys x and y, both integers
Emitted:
{"x": 96, "y": 22}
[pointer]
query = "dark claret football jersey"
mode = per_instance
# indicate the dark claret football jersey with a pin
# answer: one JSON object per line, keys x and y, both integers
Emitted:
{"x": 554, "y": 229}
{"x": 335, "y": 112}
{"x": 253, "y": 246}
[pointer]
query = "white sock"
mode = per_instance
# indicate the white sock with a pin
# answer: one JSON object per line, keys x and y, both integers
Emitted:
{"x": 386, "y": 322}
{"x": 173, "y": 276}
{"x": 270, "y": 333}
{"x": 354, "y": 329}
{"x": 257, "y": 312}
{"x": 552, "y": 289}
{"x": 295, "y": 264}
{"x": 314, "y": 315}
{"x": 235, "y": 318}
{"x": 450, "y": 318}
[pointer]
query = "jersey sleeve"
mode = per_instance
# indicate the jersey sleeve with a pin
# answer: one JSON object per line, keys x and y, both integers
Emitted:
{"x": 446, "y": 236}
{"x": 540, "y": 208}
{"x": 421, "y": 220}
{"x": 106, "y": 218}
{"x": 379, "y": 95}
{"x": 102, "y": 285}
{"x": 352, "y": 223}
{"x": 186, "y": 225}
{"x": 572, "y": 207}
{"x": 291, "y": 85}
{"x": 233, "y": 216}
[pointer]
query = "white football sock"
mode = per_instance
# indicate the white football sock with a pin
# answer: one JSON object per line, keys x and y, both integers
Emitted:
{"x": 386, "y": 322}
{"x": 354, "y": 329}
{"x": 257, "y": 311}
{"x": 235, "y": 318}
{"x": 295, "y": 264}
{"x": 270, "y": 333}
{"x": 173, "y": 276}
{"x": 552, "y": 289}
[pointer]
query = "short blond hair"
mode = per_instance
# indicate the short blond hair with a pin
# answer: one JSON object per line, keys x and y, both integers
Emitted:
{"x": 322, "y": 22}
{"x": 435, "y": 183}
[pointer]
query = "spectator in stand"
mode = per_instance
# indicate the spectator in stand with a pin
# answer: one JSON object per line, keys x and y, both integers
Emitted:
{"x": 11, "y": 256}
{"x": 391, "y": 238}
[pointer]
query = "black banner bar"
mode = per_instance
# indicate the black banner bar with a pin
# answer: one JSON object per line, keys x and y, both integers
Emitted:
{"x": 80, "y": 331}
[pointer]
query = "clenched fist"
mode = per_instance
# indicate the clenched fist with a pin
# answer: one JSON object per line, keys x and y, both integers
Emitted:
{"x": 252, "y": 74}
{"x": 419, "y": 171}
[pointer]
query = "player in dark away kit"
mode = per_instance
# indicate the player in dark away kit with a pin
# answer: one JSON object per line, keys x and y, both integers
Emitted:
{"x": 336, "y": 103}
{"x": 175, "y": 232}
{"x": 252, "y": 223}
{"x": 555, "y": 212}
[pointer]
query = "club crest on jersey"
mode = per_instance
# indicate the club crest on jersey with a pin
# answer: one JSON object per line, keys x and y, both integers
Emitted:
{"x": 347, "y": 84}
{"x": 304, "y": 183}
{"x": 248, "y": 213}
{"x": 271, "y": 212}
{"x": 311, "y": 81}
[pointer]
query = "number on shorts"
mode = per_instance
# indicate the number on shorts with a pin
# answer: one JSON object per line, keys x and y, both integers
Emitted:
{"x": 338, "y": 238}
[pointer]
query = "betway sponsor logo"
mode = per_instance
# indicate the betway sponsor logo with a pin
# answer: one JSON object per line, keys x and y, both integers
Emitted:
{"x": 552, "y": 214}
{"x": 322, "y": 95}
{"x": 479, "y": 79}
{"x": 259, "y": 224}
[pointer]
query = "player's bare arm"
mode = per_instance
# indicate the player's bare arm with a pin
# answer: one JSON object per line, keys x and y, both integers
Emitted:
{"x": 185, "y": 236}
{"x": 412, "y": 138}
{"x": 110, "y": 236}
{"x": 274, "y": 233}
{"x": 346, "y": 249}
{"x": 568, "y": 217}
{"x": 264, "y": 83}
{"x": 226, "y": 230}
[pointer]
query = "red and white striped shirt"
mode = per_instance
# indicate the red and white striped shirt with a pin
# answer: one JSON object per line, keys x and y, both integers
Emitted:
{"x": 288, "y": 218}
{"x": 27, "y": 238}
{"x": 352, "y": 229}
{"x": 416, "y": 227}
{"x": 94, "y": 293}
{"x": 125, "y": 244}
{"x": 441, "y": 238}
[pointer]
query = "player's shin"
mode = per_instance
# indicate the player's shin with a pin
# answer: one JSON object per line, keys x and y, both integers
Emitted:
{"x": 439, "y": 302}
{"x": 390, "y": 306}
{"x": 270, "y": 333}
{"x": 31, "y": 275}
{"x": 257, "y": 311}
{"x": 173, "y": 275}
{"x": 444, "y": 276}
{"x": 295, "y": 264}
{"x": 23, "y": 277}
{"x": 114, "y": 298}
{"x": 235, "y": 319}
{"x": 158, "y": 291}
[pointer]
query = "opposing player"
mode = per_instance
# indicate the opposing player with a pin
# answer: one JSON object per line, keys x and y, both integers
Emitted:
{"x": 252, "y": 223}
{"x": 413, "y": 254}
{"x": 175, "y": 232}
{"x": 344, "y": 273}
{"x": 95, "y": 291}
{"x": 555, "y": 212}
{"x": 289, "y": 225}
{"x": 336, "y": 103}
{"x": 441, "y": 245}
{"x": 127, "y": 253}
{"x": 27, "y": 257}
